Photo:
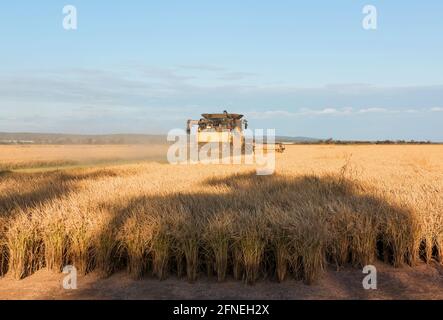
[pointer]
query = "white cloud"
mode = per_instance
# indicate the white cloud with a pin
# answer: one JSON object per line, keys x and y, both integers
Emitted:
{"x": 153, "y": 95}
{"x": 327, "y": 111}
{"x": 202, "y": 67}
{"x": 301, "y": 112}
{"x": 373, "y": 110}
{"x": 232, "y": 76}
{"x": 333, "y": 112}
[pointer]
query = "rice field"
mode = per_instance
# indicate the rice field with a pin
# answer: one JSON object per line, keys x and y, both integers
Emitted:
{"x": 14, "y": 157}
{"x": 325, "y": 206}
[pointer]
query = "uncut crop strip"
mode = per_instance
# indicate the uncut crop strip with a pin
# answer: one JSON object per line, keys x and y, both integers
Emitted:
{"x": 240, "y": 225}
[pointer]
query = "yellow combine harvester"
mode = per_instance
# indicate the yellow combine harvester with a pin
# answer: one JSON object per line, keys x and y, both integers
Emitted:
{"x": 223, "y": 127}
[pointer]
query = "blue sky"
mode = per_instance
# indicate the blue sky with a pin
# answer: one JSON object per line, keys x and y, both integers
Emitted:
{"x": 305, "y": 68}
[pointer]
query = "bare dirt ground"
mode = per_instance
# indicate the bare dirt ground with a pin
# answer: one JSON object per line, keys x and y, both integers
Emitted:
{"x": 421, "y": 282}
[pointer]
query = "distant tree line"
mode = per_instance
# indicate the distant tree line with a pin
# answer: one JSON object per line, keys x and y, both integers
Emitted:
{"x": 344, "y": 142}
{"x": 65, "y": 139}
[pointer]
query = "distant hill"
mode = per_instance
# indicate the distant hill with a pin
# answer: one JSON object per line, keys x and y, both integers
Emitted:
{"x": 296, "y": 139}
{"x": 55, "y": 138}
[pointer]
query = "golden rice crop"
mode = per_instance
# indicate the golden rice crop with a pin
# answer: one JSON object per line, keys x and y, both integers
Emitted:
{"x": 325, "y": 205}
